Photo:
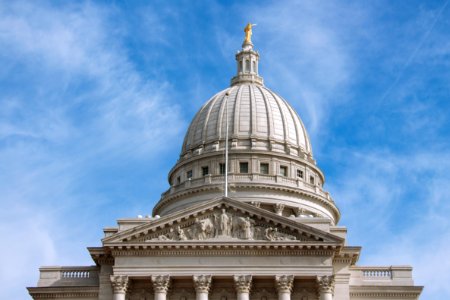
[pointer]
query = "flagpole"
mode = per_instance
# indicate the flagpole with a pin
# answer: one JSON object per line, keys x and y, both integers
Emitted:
{"x": 226, "y": 143}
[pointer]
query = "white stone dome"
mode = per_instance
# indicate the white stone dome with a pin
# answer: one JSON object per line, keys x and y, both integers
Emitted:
{"x": 257, "y": 119}
{"x": 270, "y": 161}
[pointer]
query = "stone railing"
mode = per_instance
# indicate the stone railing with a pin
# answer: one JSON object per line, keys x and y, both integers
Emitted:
{"x": 249, "y": 178}
{"x": 392, "y": 275}
{"x": 68, "y": 276}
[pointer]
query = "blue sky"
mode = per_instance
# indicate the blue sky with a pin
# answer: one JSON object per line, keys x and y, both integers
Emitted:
{"x": 95, "y": 98}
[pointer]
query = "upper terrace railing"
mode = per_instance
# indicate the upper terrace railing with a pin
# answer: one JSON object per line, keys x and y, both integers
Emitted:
{"x": 391, "y": 275}
{"x": 249, "y": 178}
{"x": 68, "y": 276}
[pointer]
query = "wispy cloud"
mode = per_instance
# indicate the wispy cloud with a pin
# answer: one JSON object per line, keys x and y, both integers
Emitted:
{"x": 73, "y": 103}
{"x": 396, "y": 206}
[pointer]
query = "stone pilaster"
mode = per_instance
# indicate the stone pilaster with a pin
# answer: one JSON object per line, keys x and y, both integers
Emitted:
{"x": 202, "y": 284}
{"x": 284, "y": 285}
{"x": 243, "y": 284}
{"x": 161, "y": 284}
{"x": 120, "y": 285}
{"x": 326, "y": 287}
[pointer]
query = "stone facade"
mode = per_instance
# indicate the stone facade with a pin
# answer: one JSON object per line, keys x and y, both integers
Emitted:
{"x": 274, "y": 238}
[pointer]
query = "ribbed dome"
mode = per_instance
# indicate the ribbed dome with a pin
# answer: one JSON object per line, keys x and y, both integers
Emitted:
{"x": 254, "y": 113}
{"x": 266, "y": 160}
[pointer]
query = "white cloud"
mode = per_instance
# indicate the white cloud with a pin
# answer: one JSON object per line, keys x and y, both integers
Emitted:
{"x": 81, "y": 104}
{"x": 396, "y": 207}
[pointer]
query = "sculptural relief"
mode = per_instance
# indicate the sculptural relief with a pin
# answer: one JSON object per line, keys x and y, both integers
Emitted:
{"x": 224, "y": 225}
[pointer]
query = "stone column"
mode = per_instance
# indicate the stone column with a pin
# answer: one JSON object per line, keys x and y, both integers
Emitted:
{"x": 202, "y": 284}
{"x": 243, "y": 284}
{"x": 119, "y": 284}
{"x": 284, "y": 286}
{"x": 161, "y": 285}
{"x": 326, "y": 287}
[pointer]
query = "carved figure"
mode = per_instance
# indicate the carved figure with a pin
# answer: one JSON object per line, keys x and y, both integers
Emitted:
{"x": 180, "y": 233}
{"x": 272, "y": 234}
{"x": 204, "y": 229}
{"x": 245, "y": 228}
{"x": 225, "y": 223}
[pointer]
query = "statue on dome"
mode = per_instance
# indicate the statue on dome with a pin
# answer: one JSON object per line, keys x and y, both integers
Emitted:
{"x": 248, "y": 33}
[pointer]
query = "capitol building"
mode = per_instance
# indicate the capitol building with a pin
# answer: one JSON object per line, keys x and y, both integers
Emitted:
{"x": 246, "y": 217}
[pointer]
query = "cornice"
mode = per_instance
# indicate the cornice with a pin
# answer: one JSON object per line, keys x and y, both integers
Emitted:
{"x": 327, "y": 252}
{"x": 63, "y": 292}
{"x": 386, "y": 292}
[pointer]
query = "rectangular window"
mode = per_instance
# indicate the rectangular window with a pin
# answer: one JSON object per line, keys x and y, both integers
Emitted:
{"x": 243, "y": 167}
{"x": 178, "y": 180}
{"x": 300, "y": 173}
{"x": 311, "y": 179}
{"x": 283, "y": 170}
{"x": 264, "y": 168}
{"x": 189, "y": 174}
{"x": 205, "y": 171}
{"x": 222, "y": 169}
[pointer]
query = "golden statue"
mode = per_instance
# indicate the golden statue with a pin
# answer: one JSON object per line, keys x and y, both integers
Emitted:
{"x": 248, "y": 33}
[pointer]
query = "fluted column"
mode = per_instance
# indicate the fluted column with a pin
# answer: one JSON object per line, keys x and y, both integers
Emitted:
{"x": 202, "y": 284}
{"x": 120, "y": 285}
{"x": 161, "y": 284}
{"x": 243, "y": 284}
{"x": 326, "y": 287}
{"x": 284, "y": 286}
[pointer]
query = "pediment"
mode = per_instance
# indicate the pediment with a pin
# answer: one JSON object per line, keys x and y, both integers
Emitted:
{"x": 222, "y": 220}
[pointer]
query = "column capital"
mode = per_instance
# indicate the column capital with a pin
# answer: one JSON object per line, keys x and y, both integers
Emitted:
{"x": 202, "y": 283}
{"x": 243, "y": 283}
{"x": 119, "y": 283}
{"x": 325, "y": 283}
{"x": 161, "y": 283}
{"x": 284, "y": 283}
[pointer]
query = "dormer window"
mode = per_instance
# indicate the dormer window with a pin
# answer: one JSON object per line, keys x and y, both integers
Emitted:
{"x": 189, "y": 174}
{"x": 300, "y": 173}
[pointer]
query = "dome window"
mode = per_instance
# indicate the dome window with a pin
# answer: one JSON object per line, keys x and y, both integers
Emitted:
{"x": 189, "y": 174}
{"x": 178, "y": 180}
{"x": 243, "y": 167}
{"x": 264, "y": 168}
{"x": 311, "y": 179}
{"x": 283, "y": 171}
{"x": 300, "y": 173}
{"x": 205, "y": 171}
{"x": 221, "y": 169}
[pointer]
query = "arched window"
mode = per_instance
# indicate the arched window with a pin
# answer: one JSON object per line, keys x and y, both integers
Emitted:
{"x": 247, "y": 66}
{"x": 254, "y": 67}
{"x": 241, "y": 66}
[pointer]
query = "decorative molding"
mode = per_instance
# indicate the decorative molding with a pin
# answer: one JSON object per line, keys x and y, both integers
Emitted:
{"x": 202, "y": 283}
{"x": 325, "y": 283}
{"x": 161, "y": 283}
{"x": 284, "y": 283}
{"x": 255, "y": 250}
{"x": 119, "y": 283}
{"x": 63, "y": 292}
{"x": 243, "y": 283}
